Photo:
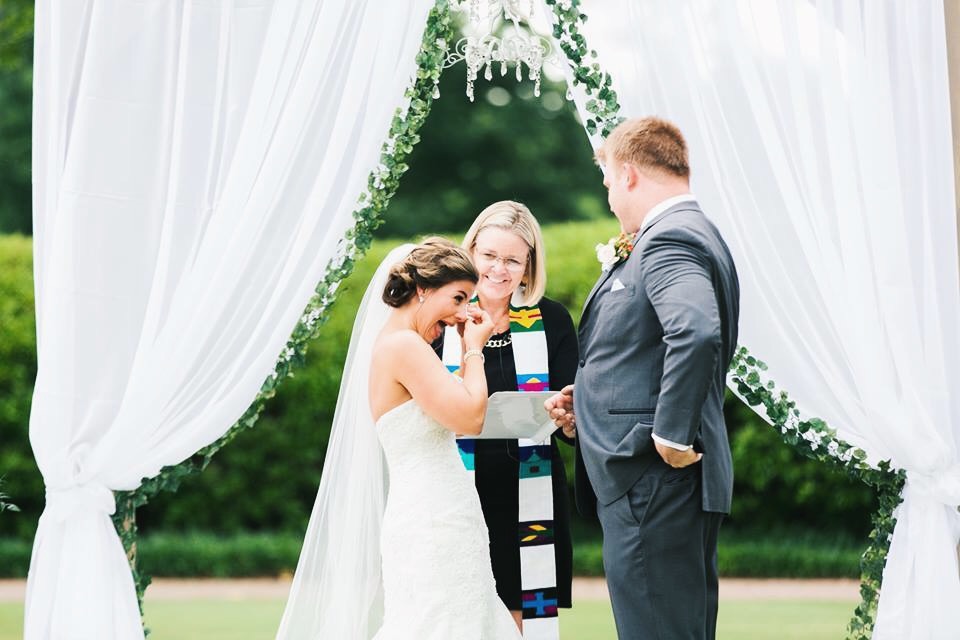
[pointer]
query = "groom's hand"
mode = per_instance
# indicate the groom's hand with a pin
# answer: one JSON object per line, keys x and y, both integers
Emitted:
{"x": 560, "y": 409}
{"x": 676, "y": 458}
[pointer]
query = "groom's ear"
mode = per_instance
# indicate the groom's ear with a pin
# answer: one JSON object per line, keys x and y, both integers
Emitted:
{"x": 630, "y": 174}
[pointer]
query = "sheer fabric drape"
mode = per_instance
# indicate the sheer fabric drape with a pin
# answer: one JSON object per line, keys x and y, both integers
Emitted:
{"x": 819, "y": 136}
{"x": 195, "y": 167}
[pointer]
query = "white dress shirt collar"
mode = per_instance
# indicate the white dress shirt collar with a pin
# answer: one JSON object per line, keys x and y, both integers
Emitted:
{"x": 658, "y": 210}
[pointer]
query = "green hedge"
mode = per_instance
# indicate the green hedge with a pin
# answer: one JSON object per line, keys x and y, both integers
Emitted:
{"x": 14, "y": 557}
{"x": 247, "y": 555}
{"x": 206, "y": 555}
{"x": 18, "y": 369}
{"x": 266, "y": 480}
{"x": 785, "y": 559}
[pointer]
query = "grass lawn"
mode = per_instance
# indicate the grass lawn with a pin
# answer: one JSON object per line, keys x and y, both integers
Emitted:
{"x": 591, "y": 620}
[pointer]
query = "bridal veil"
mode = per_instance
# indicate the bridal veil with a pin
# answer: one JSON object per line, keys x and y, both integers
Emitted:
{"x": 337, "y": 591}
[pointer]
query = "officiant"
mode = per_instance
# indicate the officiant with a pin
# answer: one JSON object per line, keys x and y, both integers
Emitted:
{"x": 522, "y": 484}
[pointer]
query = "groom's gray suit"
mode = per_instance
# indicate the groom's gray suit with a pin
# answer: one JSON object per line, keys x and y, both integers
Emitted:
{"x": 657, "y": 334}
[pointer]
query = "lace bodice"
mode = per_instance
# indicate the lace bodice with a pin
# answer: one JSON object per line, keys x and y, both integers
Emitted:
{"x": 422, "y": 456}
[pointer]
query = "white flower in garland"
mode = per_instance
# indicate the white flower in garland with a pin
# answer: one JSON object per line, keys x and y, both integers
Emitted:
{"x": 814, "y": 438}
{"x": 313, "y": 317}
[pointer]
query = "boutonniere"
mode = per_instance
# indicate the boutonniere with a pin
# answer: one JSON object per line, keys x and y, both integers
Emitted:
{"x": 615, "y": 250}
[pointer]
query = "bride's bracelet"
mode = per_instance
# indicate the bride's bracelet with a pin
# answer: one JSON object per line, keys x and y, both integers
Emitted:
{"x": 471, "y": 353}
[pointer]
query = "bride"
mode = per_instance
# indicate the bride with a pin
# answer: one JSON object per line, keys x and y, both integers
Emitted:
{"x": 412, "y": 562}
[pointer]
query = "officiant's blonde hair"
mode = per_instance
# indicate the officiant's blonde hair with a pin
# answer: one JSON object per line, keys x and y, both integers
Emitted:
{"x": 516, "y": 218}
{"x": 649, "y": 143}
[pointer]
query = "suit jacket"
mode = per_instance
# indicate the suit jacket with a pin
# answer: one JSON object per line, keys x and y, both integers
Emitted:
{"x": 654, "y": 353}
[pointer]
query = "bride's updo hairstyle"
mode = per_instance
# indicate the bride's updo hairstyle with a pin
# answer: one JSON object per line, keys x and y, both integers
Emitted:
{"x": 433, "y": 263}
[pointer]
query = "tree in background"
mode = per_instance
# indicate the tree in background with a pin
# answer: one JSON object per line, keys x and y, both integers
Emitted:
{"x": 16, "y": 77}
{"x": 508, "y": 145}
{"x": 16, "y": 33}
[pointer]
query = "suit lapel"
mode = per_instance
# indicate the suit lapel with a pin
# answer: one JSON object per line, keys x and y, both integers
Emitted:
{"x": 691, "y": 205}
{"x": 593, "y": 292}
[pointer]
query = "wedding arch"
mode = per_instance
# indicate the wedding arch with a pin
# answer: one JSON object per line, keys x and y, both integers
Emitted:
{"x": 245, "y": 184}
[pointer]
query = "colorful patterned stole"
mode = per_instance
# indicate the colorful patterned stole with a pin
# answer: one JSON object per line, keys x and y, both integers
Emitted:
{"x": 538, "y": 569}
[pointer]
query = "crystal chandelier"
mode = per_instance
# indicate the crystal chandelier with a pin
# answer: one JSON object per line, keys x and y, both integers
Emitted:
{"x": 482, "y": 49}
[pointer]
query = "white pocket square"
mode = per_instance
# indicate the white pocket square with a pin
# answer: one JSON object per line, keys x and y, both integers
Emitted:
{"x": 617, "y": 285}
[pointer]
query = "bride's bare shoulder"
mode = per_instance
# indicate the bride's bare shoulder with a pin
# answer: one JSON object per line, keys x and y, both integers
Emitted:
{"x": 395, "y": 354}
{"x": 399, "y": 339}
{"x": 400, "y": 343}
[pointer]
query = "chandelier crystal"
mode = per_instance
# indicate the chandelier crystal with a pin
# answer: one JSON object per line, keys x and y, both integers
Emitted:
{"x": 519, "y": 46}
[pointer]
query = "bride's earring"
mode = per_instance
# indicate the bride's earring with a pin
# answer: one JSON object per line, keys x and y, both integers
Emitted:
{"x": 421, "y": 299}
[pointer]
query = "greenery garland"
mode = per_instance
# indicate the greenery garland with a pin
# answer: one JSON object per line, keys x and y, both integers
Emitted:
{"x": 602, "y": 102}
{"x": 381, "y": 186}
{"x": 814, "y": 439}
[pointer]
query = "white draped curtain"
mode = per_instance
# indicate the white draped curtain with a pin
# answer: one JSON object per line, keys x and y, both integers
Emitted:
{"x": 820, "y": 143}
{"x": 195, "y": 167}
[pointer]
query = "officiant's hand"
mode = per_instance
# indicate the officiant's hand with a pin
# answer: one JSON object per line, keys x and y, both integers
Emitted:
{"x": 676, "y": 458}
{"x": 560, "y": 409}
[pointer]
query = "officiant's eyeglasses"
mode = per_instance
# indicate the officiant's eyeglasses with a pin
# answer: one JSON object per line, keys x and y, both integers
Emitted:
{"x": 510, "y": 264}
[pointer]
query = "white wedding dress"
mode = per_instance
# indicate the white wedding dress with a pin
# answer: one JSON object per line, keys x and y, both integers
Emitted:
{"x": 396, "y": 548}
{"x": 437, "y": 578}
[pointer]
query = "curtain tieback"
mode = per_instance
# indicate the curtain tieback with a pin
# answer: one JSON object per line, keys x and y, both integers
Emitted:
{"x": 90, "y": 498}
{"x": 941, "y": 485}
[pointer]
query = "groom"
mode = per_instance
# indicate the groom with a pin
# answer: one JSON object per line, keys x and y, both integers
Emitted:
{"x": 657, "y": 334}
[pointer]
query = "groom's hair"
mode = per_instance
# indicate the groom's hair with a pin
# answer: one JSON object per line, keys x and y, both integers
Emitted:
{"x": 649, "y": 143}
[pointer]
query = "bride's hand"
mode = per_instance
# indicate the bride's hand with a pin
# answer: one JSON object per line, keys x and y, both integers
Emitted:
{"x": 477, "y": 329}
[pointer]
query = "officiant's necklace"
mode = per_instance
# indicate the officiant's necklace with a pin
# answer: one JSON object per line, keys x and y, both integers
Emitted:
{"x": 499, "y": 342}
